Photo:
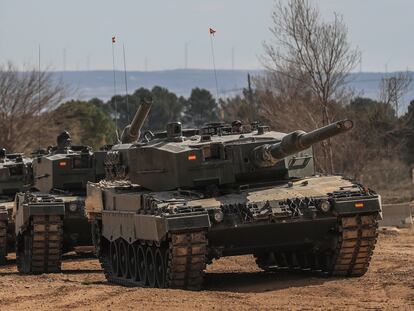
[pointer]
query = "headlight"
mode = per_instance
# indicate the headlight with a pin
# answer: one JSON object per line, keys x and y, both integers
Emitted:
{"x": 324, "y": 206}
{"x": 218, "y": 216}
{"x": 73, "y": 206}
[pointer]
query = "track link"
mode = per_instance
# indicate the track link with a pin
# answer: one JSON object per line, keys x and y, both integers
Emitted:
{"x": 183, "y": 262}
{"x": 350, "y": 254}
{"x": 3, "y": 241}
{"x": 42, "y": 250}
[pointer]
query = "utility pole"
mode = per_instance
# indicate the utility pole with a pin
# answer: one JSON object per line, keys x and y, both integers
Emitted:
{"x": 233, "y": 48}
{"x": 64, "y": 59}
{"x": 186, "y": 54}
{"x": 250, "y": 98}
{"x": 88, "y": 62}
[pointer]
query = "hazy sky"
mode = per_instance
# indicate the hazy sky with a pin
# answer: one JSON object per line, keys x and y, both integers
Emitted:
{"x": 157, "y": 31}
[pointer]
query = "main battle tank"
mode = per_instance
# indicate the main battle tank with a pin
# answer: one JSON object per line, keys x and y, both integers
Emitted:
{"x": 175, "y": 201}
{"x": 15, "y": 176}
{"x": 51, "y": 219}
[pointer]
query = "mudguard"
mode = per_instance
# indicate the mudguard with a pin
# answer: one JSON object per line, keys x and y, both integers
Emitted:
{"x": 357, "y": 205}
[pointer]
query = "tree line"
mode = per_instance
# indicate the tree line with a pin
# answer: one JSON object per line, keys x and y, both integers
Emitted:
{"x": 379, "y": 151}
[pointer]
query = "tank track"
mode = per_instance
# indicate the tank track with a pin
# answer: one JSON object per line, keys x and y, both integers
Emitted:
{"x": 187, "y": 260}
{"x": 182, "y": 265}
{"x": 350, "y": 254}
{"x": 40, "y": 250}
{"x": 356, "y": 243}
{"x": 3, "y": 241}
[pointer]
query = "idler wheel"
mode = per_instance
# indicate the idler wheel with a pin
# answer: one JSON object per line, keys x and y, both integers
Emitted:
{"x": 132, "y": 264}
{"x": 3, "y": 242}
{"x": 160, "y": 273}
{"x": 123, "y": 259}
{"x": 150, "y": 264}
{"x": 114, "y": 258}
{"x": 96, "y": 236}
{"x": 141, "y": 264}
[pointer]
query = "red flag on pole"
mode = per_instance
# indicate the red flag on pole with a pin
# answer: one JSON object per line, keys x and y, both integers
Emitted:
{"x": 212, "y": 31}
{"x": 113, "y": 39}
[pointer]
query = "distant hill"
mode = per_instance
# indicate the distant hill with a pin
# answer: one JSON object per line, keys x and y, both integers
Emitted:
{"x": 89, "y": 84}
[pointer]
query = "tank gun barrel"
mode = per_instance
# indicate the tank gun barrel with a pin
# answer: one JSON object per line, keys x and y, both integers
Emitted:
{"x": 132, "y": 131}
{"x": 270, "y": 154}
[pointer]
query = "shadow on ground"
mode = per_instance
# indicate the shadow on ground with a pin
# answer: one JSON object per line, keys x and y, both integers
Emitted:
{"x": 257, "y": 282}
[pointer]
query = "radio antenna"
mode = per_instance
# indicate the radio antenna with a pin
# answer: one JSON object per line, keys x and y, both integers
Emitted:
{"x": 212, "y": 32}
{"x": 38, "y": 100}
{"x": 126, "y": 85}
{"x": 115, "y": 103}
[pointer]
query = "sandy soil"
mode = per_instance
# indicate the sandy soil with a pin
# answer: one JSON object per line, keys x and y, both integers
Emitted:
{"x": 231, "y": 283}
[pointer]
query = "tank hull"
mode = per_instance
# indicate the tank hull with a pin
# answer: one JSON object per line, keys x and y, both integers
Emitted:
{"x": 317, "y": 223}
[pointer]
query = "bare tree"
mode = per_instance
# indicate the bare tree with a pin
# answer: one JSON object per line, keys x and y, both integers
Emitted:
{"x": 393, "y": 88}
{"x": 318, "y": 52}
{"x": 285, "y": 103}
{"x": 25, "y": 100}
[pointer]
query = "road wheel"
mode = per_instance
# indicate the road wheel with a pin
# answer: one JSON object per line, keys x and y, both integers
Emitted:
{"x": 141, "y": 264}
{"x": 132, "y": 264}
{"x": 123, "y": 259}
{"x": 160, "y": 268}
{"x": 114, "y": 258}
{"x": 150, "y": 264}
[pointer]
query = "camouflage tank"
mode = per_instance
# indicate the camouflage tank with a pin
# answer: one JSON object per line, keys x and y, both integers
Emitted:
{"x": 50, "y": 219}
{"x": 15, "y": 175}
{"x": 175, "y": 201}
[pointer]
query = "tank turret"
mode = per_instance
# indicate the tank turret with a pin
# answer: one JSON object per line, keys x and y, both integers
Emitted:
{"x": 270, "y": 154}
{"x": 132, "y": 131}
{"x": 15, "y": 173}
{"x": 66, "y": 167}
{"x": 221, "y": 156}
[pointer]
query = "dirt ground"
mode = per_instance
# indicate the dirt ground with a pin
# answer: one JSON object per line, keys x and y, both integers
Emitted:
{"x": 231, "y": 283}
